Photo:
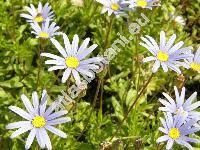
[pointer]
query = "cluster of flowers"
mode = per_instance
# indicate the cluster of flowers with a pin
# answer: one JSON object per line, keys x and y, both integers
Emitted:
{"x": 180, "y": 119}
{"x": 121, "y": 7}
{"x": 73, "y": 56}
{"x": 39, "y": 119}
{"x": 169, "y": 56}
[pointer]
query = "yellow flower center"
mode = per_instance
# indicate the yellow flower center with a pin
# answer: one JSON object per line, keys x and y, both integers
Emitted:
{"x": 162, "y": 56}
{"x": 142, "y": 3}
{"x": 174, "y": 133}
{"x": 195, "y": 66}
{"x": 44, "y": 35}
{"x": 38, "y": 122}
{"x": 115, "y": 7}
{"x": 38, "y": 18}
{"x": 72, "y": 62}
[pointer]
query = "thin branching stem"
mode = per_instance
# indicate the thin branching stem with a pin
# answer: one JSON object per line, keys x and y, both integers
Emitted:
{"x": 137, "y": 64}
{"x": 92, "y": 109}
{"x": 41, "y": 49}
{"x": 100, "y": 81}
{"x": 133, "y": 104}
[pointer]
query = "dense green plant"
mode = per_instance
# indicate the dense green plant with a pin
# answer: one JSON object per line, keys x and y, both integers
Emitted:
{"x": 99, "y": 109}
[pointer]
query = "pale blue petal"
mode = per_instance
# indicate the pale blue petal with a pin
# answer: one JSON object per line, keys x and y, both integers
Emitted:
{"x": 35, "y": 102}
{"x": 59, "y": 47}
{"x": 169, "y": 144}
{"x": 21, "y": 130}
{"x": 75, "y": 44}
{"x": 18, "y": 124}
{"x": 56, "y": 131}
{"x": 43, "y": 102}
{"x": 52, "y": 56}
{"x": 147, "y": 59}
{"x": 46, "y": 139}
{"x": 57, "y": 114}
{"x": 87, "y": 52}
{"x": 173, "y": 104}
{"x": 163, "y": 130}
{"x": 40, "y": 138}
{"x": 184, "y": 143}
{"x": 162, "y": 138}
{"x": 175, "y": 47}
{"x": 30, "y": 138}
{"x": 59, "y": 121}
{"x": 76, "y": 77}
{"x": 53, "y": 106}
{"x": 66, "y": 75}
{"x": 170, "y": 42}
{"x": 189, "y": 100}
{"x": 162, "y": 40}
{"x": 57, "y": 68}
{"x": 84, "y": 46}
{"x": 21, "y": 112}
{"x": 156, "y": 66}
{"x": 27, "y": 104}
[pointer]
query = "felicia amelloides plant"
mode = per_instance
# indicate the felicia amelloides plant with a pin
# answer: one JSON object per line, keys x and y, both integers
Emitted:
{"x": 39, "y": 14}
{"x": 165, "y": 54}
{"x": 176, "y": 130}
{"x": 73, "y": 58}
{"x": 181, "y": 106}
{"x": 68, "y": 55}
{"x": 38, "y": 120}
{"x": 180, "y": 119}
{"x": 46, "y": 31}
{"x": 113, "y": 7}
{"x": 194, "y": 62}
{"x": 121, "y": 7}
{"x": 143, "y": 3}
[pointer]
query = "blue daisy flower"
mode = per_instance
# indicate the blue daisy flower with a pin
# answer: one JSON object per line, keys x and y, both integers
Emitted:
{"x": 166, "y": 54}
{"x": 73, "y": 59}
{"x": 39, "y": 119}
{"x": 143, "y": 3}
{"x": 194, "y": 63}
{"x": 39, "y": 14}
{"x": 113, "y": 7}
{"x": 176, "y": 130}
{"x": 181, "y": 106}
{"x": 46, "y": 31}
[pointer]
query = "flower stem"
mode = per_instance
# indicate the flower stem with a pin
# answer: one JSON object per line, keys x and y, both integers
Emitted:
{"x": 92, "y": 109}
{"x": 108, "y": 32}
{"x": 41, "y": 49}
{"x": 105, "y": 46}
{"x": 100, "y": 82}
{"x": 137, "y": 64}
{"x": 133, "y": 104}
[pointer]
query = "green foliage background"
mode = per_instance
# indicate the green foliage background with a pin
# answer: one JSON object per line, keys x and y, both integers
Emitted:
{"x": 122, "y": 81}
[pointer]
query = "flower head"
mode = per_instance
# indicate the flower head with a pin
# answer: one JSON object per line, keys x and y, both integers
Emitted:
{"x": 142, "y": 3}
{"x": 73, "y": 59}
{"x": 194, "y": 63}
{"x": 38, "y": 15}
{"x": 180, "y": 20}
{"x": 46, "y": 31}
{"x": 176, "y": 130}
{"x": 113, "y": 6}
{"x": 182, "y": 107}
{"x": 39, "y": 119}
{"x": 166, "y": 54}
